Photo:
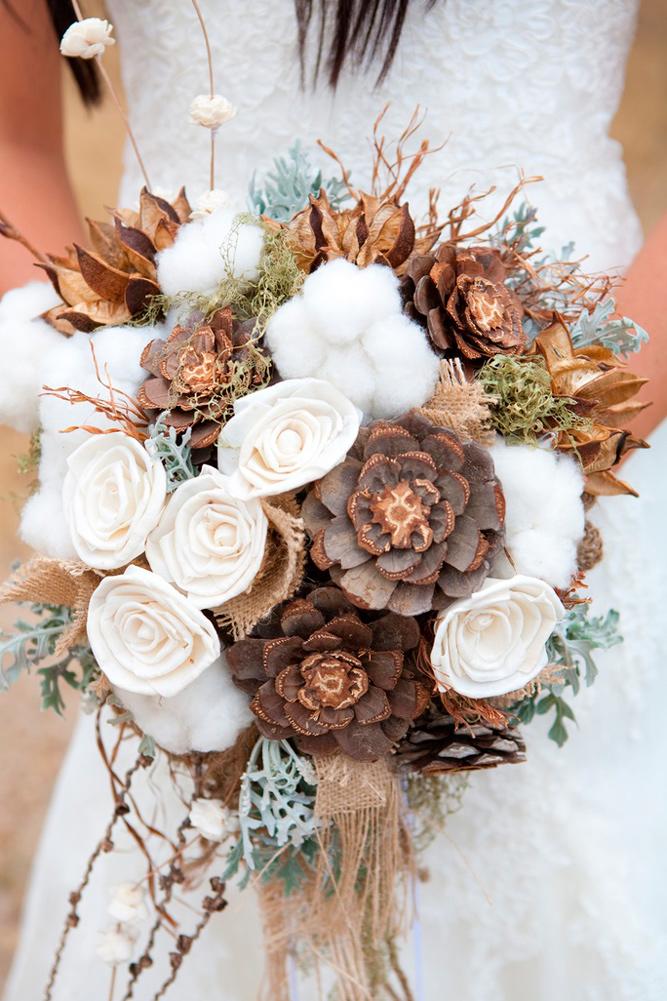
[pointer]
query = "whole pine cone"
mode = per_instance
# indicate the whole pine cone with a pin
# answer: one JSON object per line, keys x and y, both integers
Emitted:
{"x": 192, "y": 373}
{"x": 331, "y": 677}
{"x": 461, "y": 298}
{"x": 435, "y": 744}
{"x": 411, "y": 519}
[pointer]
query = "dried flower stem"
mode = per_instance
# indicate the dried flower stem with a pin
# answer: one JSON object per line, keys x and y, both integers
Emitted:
{"x": 211, "y": 84}
{"x": 112, "y": 985}
{"x": 212, "y": 904}
{"x": 116, "y": 100}
{"x": 8, "y": 230}
{"x": 104, "y": 845}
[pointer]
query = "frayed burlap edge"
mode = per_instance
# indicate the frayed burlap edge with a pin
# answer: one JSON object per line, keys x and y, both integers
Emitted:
{"x": 54, "y": 582}
{"x": 280, "y": 575}
{"x": 344, "y": 920}
{"x": 460, "y": 405}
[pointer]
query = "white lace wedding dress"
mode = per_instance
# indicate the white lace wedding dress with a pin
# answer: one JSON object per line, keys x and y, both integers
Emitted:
{"x": 551, "y": 881}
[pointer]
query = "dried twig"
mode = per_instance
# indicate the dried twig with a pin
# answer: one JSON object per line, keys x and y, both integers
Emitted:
{"x": 211, "y": 84}
{"x": 124, "y": 411}
{"x": 119, "y": 107}
{"x": 10, "y": 232}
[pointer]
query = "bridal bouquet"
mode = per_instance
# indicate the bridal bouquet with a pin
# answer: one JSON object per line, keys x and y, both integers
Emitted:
{"x": 311, "y": 509}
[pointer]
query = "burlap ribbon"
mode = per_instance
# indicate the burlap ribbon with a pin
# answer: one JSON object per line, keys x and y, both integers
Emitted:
{"x": 460, "y": 405}
{"x": 52, "y": 582}
{"x": 281, "y": 572}
{"x": 352, "y": 904}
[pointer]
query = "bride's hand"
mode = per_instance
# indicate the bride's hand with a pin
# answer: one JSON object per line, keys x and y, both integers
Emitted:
{"x": 35, "y": 192}
{"x": 643, "y": 297}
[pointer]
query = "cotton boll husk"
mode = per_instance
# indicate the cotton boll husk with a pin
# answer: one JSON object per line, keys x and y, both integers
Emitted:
{"x": 545, "y": 513}
{"x": 296, "y": 348}
{"x": 406, "y": 370}
{"x": 203, "y": 251}
{"x": 28, "y": 338}
{"x": 350, "y": 370}
{"x": 69, "y": 362}
{"x": 208, "y": 715}
{"x": 342, "y": 300}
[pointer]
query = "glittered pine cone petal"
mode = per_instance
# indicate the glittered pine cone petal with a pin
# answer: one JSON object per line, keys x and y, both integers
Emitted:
{"x": 412, "y": 518}
{"x": 329, "y": 676}
{"x": 604, "y": 390}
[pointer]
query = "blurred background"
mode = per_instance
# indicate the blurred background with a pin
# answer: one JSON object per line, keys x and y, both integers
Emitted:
{"x": 32, "y": 742}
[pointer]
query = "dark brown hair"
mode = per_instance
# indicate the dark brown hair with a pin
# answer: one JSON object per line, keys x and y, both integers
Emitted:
{"x": 354, "y": 33}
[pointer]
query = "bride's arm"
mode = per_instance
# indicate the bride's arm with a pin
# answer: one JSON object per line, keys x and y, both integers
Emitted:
{"x": 643, "y": 297}
{"x": 35, "y": 192}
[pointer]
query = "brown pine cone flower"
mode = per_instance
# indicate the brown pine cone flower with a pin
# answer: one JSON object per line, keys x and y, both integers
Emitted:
{"x": 330, "y": 677}
{"x": 193, "y": 371}
{"x": 461, "y": 298}
{"x": 410, "y": 520}
{"x": 115, "y": 280}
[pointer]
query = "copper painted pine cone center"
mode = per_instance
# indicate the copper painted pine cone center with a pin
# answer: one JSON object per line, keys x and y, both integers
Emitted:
{"x": 335, "y": 680}
{"x": 403, "y": 516}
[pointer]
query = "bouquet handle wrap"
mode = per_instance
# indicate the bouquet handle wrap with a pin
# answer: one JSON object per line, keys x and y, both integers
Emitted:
{"x": 355, "y": 907}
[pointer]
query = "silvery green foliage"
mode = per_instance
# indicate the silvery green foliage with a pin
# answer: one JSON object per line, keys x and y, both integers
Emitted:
{"x": 620, "y": 334}
{"x": 276, "y": 817}
{"x": 286, "y": 188}
{"x": 571, "y": 646}
{"x": 175, "y": 455}
{"x": 35, "y": 642}
{"x": 276, "y": 804}
{"x": 522, "y": 231}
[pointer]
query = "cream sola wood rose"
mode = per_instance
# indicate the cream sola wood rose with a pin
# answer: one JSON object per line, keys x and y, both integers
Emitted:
{"x": 208, "y": 543}
{"x": 286, "y": 436}
{"x": 146, "y": 636}
{"x": 494, "y": 642}
{"x": 113, "y": 495}
{"x": 163, "y": 659}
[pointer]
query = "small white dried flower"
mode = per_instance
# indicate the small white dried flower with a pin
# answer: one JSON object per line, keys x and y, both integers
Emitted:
{"x": 128, "y": 903}
{"x": 211, "y": 112}
{"x": 87, "y": 38}
{"x": 209, "y": 202}
{"x": 213, "y": 820}
{"x": 116, "y": 945}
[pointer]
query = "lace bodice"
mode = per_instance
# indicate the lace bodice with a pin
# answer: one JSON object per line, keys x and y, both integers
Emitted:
{"x": 506, "y": 84}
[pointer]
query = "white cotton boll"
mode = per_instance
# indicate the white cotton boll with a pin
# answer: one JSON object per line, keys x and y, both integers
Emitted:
{"x": 26, "y": 338}
{"x": 208, "y": 715}
{"x": 347, "y": 327}
{"x": 350, "y": 370}
{"x": 296, "y": 348}
{"x": 405, "y": 369}
{"x": 342, "y": 300}
{"x": 28, "y": 301}
{"x": 545, "y": 513}
{"x": 43, "y": 525}
{"x": 203, "y": 251}
{"x": 69, "y": 362}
